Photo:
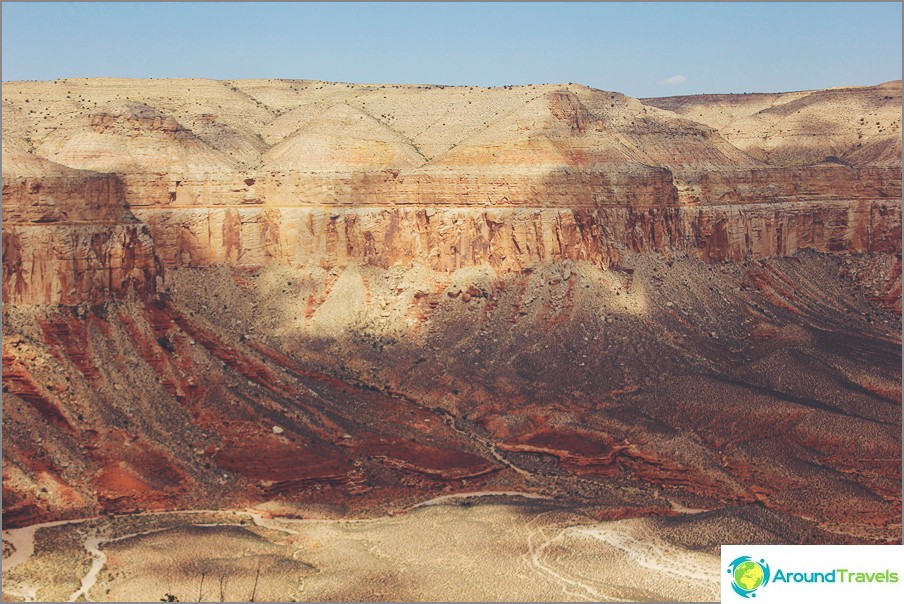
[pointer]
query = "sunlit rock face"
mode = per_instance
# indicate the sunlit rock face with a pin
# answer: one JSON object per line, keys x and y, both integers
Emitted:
{"x": 68, "y": 237}
{"x": 218, "y": 293}
{"x": 329, "y": 174}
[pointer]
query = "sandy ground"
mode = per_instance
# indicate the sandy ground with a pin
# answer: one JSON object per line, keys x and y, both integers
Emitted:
{"x": 437, "y": 552}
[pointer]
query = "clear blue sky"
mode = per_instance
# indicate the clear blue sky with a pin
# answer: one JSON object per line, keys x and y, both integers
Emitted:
{"x": 641, "y": 49}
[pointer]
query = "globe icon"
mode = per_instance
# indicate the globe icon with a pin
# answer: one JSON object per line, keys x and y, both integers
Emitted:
{"x": 748, "y": 575}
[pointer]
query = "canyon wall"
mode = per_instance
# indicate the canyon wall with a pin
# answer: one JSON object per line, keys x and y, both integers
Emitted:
{"x": 68, "y": 237}
{"x": 510, "y": 239}
{"x": 121, "y": 187}
{"x": 401, "y": 292}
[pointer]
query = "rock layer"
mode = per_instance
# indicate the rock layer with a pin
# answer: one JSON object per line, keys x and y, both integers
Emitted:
{"x": 68, "y": 237}
{"x": 553, "y": 173}
{"x": 510, "y": 239}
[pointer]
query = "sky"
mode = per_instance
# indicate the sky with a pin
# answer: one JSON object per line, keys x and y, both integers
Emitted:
{"x": 640, "y": 49}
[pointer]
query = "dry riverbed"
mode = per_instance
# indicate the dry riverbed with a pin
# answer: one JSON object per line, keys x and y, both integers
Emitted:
{"x": 449, "y": 550}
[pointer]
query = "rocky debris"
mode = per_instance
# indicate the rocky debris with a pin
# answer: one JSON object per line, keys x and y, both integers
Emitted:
{"x": 575, "y": 390}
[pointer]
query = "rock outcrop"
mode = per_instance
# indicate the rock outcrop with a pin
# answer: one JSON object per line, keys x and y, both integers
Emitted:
{"x": 510, "y": 239}
{"x": 324, "y": 173}
{"x": 68, "y": 237}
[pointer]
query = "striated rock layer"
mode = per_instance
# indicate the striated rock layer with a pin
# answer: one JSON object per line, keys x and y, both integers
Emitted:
{"x": 514, "y": 238}
{"x": 68, "y": 237}
{"x": 331, "y": 174}
{"x": 362, "y": 296}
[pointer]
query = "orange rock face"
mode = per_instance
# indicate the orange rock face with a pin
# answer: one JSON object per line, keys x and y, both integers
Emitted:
{"x": 68, "y": 237}
{"x": 220, "y": 293}
{"x": 553, "y": 173}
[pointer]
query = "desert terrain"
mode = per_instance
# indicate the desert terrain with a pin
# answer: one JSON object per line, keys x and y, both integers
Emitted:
{"x": 244, "y": 320}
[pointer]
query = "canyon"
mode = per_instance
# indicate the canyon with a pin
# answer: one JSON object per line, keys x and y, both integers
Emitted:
{"x": 350, "y": 299}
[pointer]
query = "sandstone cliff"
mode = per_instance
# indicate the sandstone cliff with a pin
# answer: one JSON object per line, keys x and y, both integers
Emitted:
{"x": 248, "y": 173}
{"x": 68, "y": 237}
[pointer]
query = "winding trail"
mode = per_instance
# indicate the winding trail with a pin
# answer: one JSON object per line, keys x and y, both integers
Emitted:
{"x": 23, "y": 541}
{"x": 92, "y": 544}
{"x": 650, "y": 554}
{"x": 647, "y": 553}
{"x": 270, "y": 523}
{"x": 489, "y": 445}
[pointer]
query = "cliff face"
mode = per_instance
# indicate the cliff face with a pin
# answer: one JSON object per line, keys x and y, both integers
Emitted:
{"x": 219, "y": 293}
{"x": 68, "y": 237}
{"x": 510, "y": 239}
{"x": 310, "y": 172}
{"x": 84, "y": 264}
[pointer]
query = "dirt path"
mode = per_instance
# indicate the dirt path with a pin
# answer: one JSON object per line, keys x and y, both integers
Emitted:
{"x": 23, "y": 541}
{"x": 270, "y": 523}
{"x": 487, "y": 444}
{"x": 99, "y": 559}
